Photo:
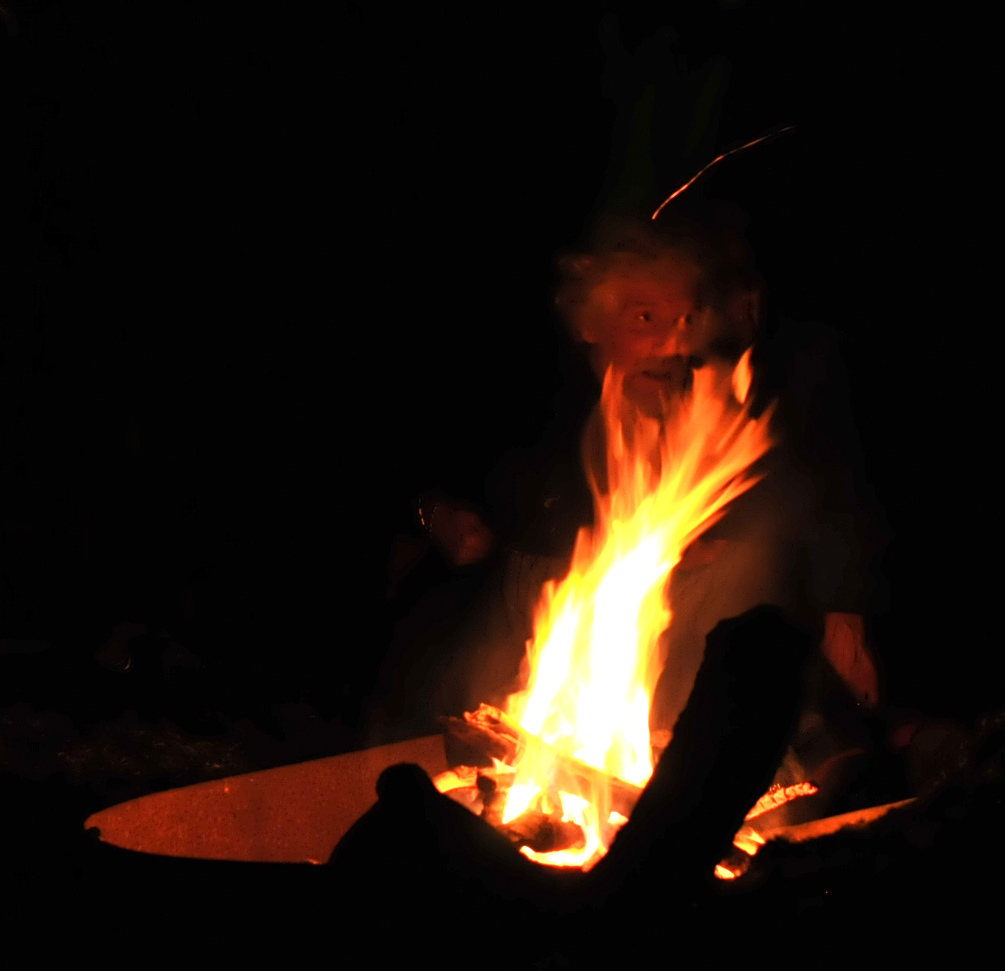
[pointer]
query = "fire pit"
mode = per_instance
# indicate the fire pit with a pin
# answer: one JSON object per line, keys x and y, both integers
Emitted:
{"x": 554, "y": 831}
{"x": 298, "y": 813}
{"x": 569, "y": 761}
{"x": 562, "y": 769}
{"x": 290, "y": 814}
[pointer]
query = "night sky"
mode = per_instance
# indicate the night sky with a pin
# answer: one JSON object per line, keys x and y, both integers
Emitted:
{"x": 267, "y": 277}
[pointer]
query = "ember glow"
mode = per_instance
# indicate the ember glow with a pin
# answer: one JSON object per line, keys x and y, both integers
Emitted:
{"x": 719, "y": 158}
{"x": 594, "y": 657}
{"x": 777, "y": 796}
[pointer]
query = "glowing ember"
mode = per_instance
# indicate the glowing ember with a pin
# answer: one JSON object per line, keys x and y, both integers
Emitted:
{"x": 594, "y": 655}
{"x": 777, "y": 796}
{"x": 748, "y": 840}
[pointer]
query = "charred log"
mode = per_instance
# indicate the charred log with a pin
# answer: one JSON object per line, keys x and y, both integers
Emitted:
{"x": 416, "y": 847}
{"x": 726, "y": 746}
{"x": 543, "y": 832}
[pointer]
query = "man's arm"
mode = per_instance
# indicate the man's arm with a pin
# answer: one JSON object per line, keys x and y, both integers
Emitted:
{"x": 844, "y": 645}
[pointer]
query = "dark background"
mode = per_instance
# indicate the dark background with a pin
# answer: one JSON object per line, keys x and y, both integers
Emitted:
{"x": 267, "y": 276}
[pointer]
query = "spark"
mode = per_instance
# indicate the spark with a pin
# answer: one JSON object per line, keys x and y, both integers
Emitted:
{"x": 733, "y": 151}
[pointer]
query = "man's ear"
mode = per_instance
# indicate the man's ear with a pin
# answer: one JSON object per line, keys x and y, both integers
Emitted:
{"x": 587, "y": 326}
{"x": 745, "y": 310}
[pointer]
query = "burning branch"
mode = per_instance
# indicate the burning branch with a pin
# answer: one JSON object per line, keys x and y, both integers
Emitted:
{"x": 777, "y": 796}
{"x": 490, "y": 732}
{"x": 495, "y": 735}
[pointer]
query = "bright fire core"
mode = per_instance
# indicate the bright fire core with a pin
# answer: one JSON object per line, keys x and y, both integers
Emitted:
{"x": 594, "y": 657}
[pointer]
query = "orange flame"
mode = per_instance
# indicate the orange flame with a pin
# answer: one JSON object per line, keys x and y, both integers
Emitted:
{"x": 594, "y": 656}
{"x": 742, "y": 378}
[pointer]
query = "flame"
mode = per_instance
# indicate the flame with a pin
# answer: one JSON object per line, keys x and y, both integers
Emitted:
{"x": 594, "y": 656}
{"x": 519, "y": 799}
{"x": 742, "y": 377}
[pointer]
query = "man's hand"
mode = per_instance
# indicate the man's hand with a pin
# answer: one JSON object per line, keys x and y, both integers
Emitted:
{"x": 844, "y": 646}
{"x": 459, "y": 532}
{"x": 114, "y": 654}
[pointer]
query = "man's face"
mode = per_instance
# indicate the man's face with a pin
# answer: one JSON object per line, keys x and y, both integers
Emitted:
{"x": 649, "y": 321}
{"x": 649, "y": 324}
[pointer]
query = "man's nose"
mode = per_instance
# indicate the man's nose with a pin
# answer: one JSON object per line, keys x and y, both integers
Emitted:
{"x": 675, "y": 339}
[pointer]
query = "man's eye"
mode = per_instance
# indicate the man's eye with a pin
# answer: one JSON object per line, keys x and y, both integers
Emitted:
{"x": 638, "y": 319}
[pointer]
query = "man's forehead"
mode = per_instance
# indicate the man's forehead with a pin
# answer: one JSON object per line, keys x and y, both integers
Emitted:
{"x": 663, "y": 280}
{"x": 654, "y": 291}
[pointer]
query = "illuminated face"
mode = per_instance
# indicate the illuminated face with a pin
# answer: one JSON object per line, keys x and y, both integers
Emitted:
{"x": 647, "y": 321}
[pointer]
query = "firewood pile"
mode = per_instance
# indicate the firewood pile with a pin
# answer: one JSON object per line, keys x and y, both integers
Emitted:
{"x": 486, "y": 745}
{"x": 491, "y": 744}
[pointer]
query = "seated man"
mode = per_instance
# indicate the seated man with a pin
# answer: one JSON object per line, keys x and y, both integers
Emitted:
{"x": 658, "y": 301}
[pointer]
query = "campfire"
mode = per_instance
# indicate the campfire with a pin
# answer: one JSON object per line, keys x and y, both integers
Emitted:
{"x": 560, "y": 769}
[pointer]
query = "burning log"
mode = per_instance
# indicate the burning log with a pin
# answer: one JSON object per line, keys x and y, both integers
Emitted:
{"x": 459, "y": 777}
{"x": 490, "y": 732}
{"x": 817, "y": 828}
{"x": 480, "y": 740}
{"x": 542, "y": 832}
